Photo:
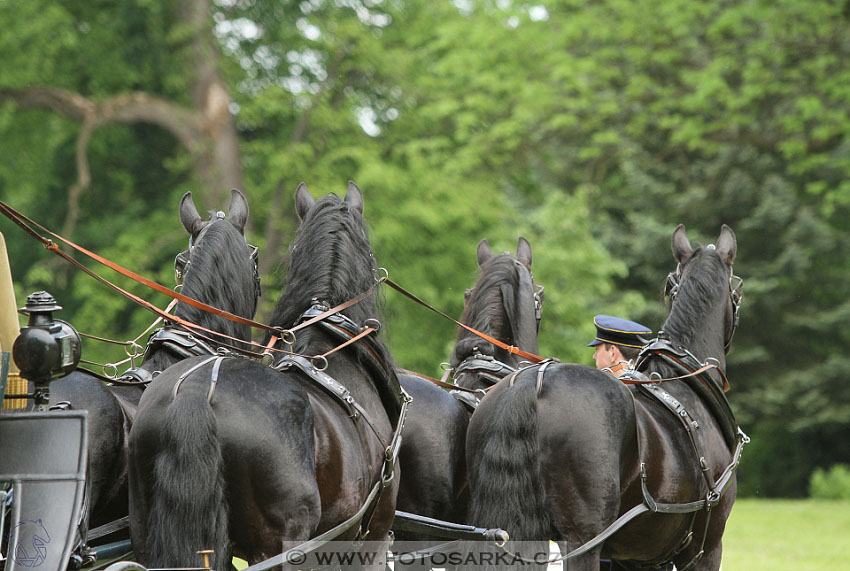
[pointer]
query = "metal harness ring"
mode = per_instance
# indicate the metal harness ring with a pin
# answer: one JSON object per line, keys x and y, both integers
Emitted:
{"x": 321, "y": 359}
{"x": 287, "y": 336}
{"x": 133, "y": 349}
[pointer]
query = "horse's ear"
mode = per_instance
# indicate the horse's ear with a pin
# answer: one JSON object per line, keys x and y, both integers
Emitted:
{"x": 682, "y": 249}
{"x": 727, "y": 245}
{"x": 304, "y": 201}
{"x": 238, "y": 209}
{"x": 354, "y": 197}
{"x": 523, "y": 252}
{"x": 189, "y": 216}
{"x": 484, "y": 252}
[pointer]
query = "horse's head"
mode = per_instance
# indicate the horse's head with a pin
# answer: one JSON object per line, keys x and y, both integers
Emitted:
{"x": 704, "y": 294}
{"x": 219, "y": 267}
{"x": 505, "y": 303}
{"x": 331, "y": 259}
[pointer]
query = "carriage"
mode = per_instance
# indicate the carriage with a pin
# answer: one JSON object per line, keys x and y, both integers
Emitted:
{"x": 209, "y": 365}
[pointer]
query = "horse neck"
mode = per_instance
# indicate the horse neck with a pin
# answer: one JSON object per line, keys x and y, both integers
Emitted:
{"x": 332, "y": 263}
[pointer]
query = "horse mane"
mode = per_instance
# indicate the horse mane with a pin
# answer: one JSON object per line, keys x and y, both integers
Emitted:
{"x": 220, "y": 274}
{"x": 331, "y": 261}
{"x": 485, "y": 310}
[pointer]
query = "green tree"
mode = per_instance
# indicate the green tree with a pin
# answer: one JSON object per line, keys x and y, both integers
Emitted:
{"x": 591, "y": 128}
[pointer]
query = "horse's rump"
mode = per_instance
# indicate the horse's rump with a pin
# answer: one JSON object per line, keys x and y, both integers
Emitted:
{"x": 176, "y": 436}
{"x": 294, "y": 460}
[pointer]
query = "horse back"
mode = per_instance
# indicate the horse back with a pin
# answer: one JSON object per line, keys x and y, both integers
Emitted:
{"x": 261, "y": 426}
{"x": 586, "y": 423}
{"x": 607, "y": 432}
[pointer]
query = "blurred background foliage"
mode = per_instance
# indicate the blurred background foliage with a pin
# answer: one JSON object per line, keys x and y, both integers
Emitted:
{"x": 592, "y": 128}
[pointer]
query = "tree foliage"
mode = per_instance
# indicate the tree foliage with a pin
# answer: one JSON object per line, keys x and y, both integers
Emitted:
{"x": 590, "y": 128}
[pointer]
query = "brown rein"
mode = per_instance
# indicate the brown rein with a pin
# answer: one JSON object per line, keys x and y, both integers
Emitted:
{"x": 286, "y": 335}
{"x": 509, "y": 348}
{"x": 26, "y": 224}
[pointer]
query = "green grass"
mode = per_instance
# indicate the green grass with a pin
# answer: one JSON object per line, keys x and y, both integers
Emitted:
{"x": 782, "y": 535}
{"x": 787, "y": 535}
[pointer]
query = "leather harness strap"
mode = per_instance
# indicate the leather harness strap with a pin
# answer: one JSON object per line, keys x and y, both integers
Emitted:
{"x": 439, "y": 382}
{"x": 182, "y": 377}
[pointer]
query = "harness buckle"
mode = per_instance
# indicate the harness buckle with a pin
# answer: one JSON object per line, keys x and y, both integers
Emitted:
{"x": 388, "y": 472}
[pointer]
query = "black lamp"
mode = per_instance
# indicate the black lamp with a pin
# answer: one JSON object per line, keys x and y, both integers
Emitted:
{"x": 46, "y": 348}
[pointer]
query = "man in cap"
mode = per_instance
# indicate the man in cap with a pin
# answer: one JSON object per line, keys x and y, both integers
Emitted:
{"x": 618, "y": 342}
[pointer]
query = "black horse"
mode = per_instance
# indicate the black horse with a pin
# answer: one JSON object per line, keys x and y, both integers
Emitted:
{"x": 112, "y": 407}
{"x": 563, "y": 451}
{"x": 232, "y": 450}
{"x": 505, "y": 305}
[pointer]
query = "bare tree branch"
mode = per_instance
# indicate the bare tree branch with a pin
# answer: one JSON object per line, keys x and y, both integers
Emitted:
{"x": 83, "y": 178}
{"x": 186, "y": 125}
{"x": 207, "y": 129}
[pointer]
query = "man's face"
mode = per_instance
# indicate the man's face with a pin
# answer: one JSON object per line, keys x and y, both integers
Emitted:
{"x": 606, "y": 355}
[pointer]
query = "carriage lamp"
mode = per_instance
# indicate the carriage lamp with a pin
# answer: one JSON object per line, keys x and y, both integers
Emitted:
{"x": 46, "y": 348}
